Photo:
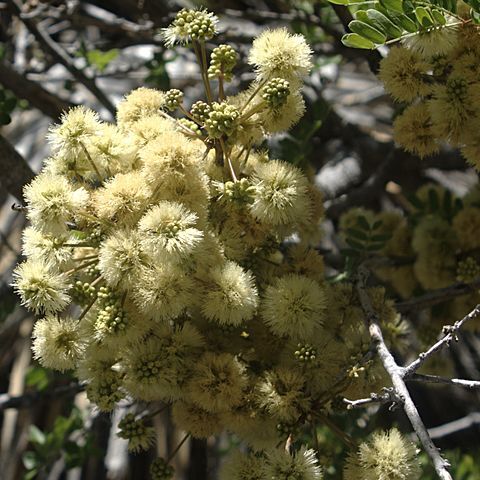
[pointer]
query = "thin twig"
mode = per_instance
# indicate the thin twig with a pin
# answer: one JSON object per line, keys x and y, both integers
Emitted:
{"x": 396, "y": 374}
{"x": 470, "y": 384}
{"x": 386, "y": 396}
{"x": 450, "y": 334}
{"x": 178, "y": 447}
{"x": 437, "y": 296}
{"x": 29, "y": 399}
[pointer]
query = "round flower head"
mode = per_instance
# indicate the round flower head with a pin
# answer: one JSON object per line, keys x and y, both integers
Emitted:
{"x": 120, "y": 258}
{"x": 163, "y": 291}
{"x": 281, "y": 194}
{"x": 168, "y": 231}
{"x": 434, "y": 41}
{"x": 139, "y": 436}
{"x": 195, "y": 420}
{"x": 294, "y": 306}
{"x": 467, "y": 224}
{"x": 161, "y": 470}
{"x": 40, "y": 286}
{"x": 48, "y": 247}
{"x": 77, "y": 126}
{"x": 452, "y": 108}
{"x": 147, "y": 129}
{"x": 138, "y": 104}
{"x": 278, "y": 53}
{"x": 105, "y": 390}
{"x": 404, "y": 74}
{"x": 413, "y": 130}
{"x": 282, "y": 395}
{"x": 190, "y": 25}
{"x": 285, "y": 116}
{"x": 158, "y": 367}
{"x": 57, "y": 343}
{"x": 232, "y": 296}
{"x": 387, "y": 456}
{"x": 52, "y": 202}
{"x": 218, "y": 382}
{"x": 303, "y": 465}
{"x": 123, "y": 199}
{"x": 242, "y": 466}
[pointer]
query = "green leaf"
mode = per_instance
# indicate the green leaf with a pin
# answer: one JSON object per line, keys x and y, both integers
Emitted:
{"x": 383, "y": 237}
{"x": 362, "y": 16}
{"x": 367, "y": 31}
{"x": 384, "y": 24}
{"x": 100, "y": 59}
{"x": 438, "y": 17}
{"x": 35, "y": 435}
{"x": 357, "y": 234}
{"x": 400, "y": 19}
{"x": 5, "y": 118}
{"x": 354, "y": 40}
{"x": 416, "y": 202}
{"x": 30, "y": 460}
{"x": 354, "y": 244}
{"x": 37, "y": 377}
{"x": 393, "y": 5}
{"x": 340, "y": 2}
{"x": 424, "y": 17}
{"x": 362, "y": 222}
{"x": 433, "y": 200}
{"x": 377, "y": 224}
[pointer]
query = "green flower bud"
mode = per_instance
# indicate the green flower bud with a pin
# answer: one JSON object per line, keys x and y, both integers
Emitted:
{"x": 223, "y": 60}
{"x": 173, "y": 98}
{"x": 139, "y": 436}
{"x": 275, "y": 92}
{"x": 161, "y": 470}
{"x": 221, "y": 119}
{"x": 200, "y": 111}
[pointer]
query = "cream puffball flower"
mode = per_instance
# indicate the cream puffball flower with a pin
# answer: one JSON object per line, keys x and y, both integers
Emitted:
{"x": 168, "y": 231}
{"x": 278, "y": 53}
{"x": 232, "y": 297}
{"x": 40, "y": 286}
{"x": 294, "y": 306}
{"x": 57, "y": 343}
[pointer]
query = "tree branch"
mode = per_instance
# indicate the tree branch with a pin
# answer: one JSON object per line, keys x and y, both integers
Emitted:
{"x": 435, "y": 297}
{"x": 470, "y": 384}
{"x": 396, "y": 374}
{"x": 450, "y": 334}
{"x": 60, "y": 55}
{"x": 37, "y": 96}
{"x": 29, "y": 399}
{"x": 15, "y": 170}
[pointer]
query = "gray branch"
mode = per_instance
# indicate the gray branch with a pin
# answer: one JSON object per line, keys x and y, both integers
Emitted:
{"x": 396, "y": 374}
{"x": 450, "y": 332}
{"x": 15, "y": 170}
{"x": 460, "y": 382}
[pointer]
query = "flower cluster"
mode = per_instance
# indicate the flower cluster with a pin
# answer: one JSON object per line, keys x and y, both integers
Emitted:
{"x": 432, "y": 247}
{"x": 177, "y": 263}
{"x": 436, "y": 76}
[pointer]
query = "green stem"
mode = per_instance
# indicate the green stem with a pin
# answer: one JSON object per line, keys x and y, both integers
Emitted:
{"x": 254, "y": 93}
{"x": 205, "y": 70}
{"x": 344, "y": 437}
{"x": 80, "y": 267}
{"x": 90, "y": 159}
{"x": 178, "y": 447}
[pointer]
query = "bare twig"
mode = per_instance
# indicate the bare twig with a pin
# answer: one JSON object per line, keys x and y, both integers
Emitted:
{"x": 470, "y": 384}
{"x": 29, "y": 399}
{"x": 471, "y": 420}
{"x": 60, "y": 55}
{"x": 386, "y": 396}
{"x": 449, "y": 335}
{"x": 396, "y": 374}
{"x": 37, "y": 96}
{"x": 15, "y": 170}
{"x": 435, "y": 297}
